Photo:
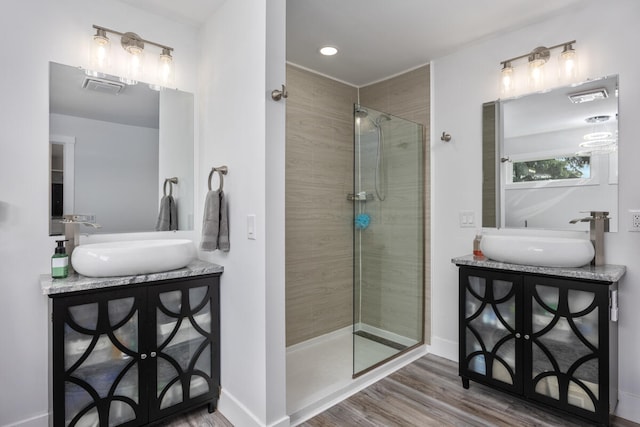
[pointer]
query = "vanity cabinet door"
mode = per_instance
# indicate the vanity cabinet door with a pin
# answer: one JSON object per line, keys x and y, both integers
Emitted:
{"x": 569, "y": 342}
{"x": 185, "y": 337}
{"x": 490, "y": 321}
{"x": 97, "y": 372}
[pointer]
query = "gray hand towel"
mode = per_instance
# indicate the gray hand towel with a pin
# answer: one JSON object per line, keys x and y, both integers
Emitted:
{"x": 168, "y": 215}
{"x": 215, "y": 224}
{"x": 223, "y": 234}
{"x": 211, "y": 221}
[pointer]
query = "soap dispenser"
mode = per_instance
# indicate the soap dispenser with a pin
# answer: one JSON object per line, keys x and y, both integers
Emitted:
{"x": 477, "y": 252}
{"x": 60, "y": 261}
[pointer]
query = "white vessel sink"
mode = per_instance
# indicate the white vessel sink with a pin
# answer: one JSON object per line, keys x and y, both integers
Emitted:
{"x": 132, "y": 257}
{"x": 542, "y": 251}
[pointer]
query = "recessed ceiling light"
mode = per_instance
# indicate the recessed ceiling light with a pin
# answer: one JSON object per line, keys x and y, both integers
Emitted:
{"x": 597, "y": 119}
{"x": 597, "y": 143}
{"x": 597, "y": 135}
{"x": 328, "y": 50}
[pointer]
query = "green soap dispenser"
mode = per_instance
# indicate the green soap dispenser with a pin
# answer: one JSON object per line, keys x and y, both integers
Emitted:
{"x": 60, "y": 261}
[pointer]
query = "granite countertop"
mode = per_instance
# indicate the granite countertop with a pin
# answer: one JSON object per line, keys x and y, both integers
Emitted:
{"x": 78, "y": 282}
{"x": 602, "y": 273}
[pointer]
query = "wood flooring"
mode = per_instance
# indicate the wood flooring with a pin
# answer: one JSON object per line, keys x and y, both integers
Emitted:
{"x": 425, "y": 393}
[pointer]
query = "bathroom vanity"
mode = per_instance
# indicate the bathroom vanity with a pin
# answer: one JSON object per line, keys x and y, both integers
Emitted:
{"x": 134, "y": 350}
{"x": 548, "y": 335}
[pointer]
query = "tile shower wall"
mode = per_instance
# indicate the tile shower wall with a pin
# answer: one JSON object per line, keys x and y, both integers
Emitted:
{"x": 319, "y": 174}
{"x": 406, "y": 96}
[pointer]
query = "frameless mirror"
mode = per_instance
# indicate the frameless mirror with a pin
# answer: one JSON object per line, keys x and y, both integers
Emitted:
{"x": 549, "y": 157}
{"x": 112, "y": 148}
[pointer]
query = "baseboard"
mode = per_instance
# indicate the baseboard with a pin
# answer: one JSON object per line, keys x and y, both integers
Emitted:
{"x": 41, "y": 420}
{"x": 444, "y": 348}
{"x": 628, "y": 406}
{"x": 236, "y": 412}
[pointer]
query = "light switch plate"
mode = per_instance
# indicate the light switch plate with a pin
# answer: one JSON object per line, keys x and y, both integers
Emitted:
{"x": 467, "y": 219}
{"x": 251, "y": 227}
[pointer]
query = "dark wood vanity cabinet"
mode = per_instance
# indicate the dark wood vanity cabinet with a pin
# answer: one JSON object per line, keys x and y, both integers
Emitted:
{"x": 133, "y": 355}
{"x": 548, "y": 339}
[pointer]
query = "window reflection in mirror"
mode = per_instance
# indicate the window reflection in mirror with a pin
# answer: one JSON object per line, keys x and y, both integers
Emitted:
{"x": 547, "y": 159}
{"x": 112, "y": 146}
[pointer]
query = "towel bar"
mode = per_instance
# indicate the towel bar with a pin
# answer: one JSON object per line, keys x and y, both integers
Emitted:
{"x": 222, "y": 170}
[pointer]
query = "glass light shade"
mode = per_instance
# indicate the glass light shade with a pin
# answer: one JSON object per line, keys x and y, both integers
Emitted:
{"x": 99, "y": 58}
{"x": 166, "y": 72}
{"x": 135, "y": 63}
{"x": 536, "y": 74}
{"x": 507, "y": 82}
{"x": 568, "y": 64}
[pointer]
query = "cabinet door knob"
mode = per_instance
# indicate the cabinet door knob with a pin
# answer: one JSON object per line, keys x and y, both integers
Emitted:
{"x": 153, "y": 354}
{"x": 518, "y": 335}
{"x": 526, "y": 337}
{"x": 143, "y": 356}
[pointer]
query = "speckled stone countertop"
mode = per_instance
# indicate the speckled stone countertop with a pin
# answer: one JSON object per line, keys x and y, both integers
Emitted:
{"x": 602, "y": 273}
{"x": 78, "y": 282}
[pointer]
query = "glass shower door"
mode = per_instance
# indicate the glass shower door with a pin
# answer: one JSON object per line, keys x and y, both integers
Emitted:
{"x": 388, "y": 232}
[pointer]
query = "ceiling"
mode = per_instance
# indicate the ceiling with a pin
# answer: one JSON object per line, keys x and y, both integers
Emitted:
{"x": 380, "y": 38}
{"x": 135, "y": 105}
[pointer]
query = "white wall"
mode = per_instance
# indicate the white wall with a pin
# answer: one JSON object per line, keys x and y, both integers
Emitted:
{"x": 605, "y": 35}
{"x": 176, "y": 158}
{"x": 233, "y": 105}
{"x": 49, "y": 31}
{"x": 116, "y": 171}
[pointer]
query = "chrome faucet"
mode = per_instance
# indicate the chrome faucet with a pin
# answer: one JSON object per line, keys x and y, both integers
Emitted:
{"x": 72, "y": 231}
{"x": 598, "y": 225}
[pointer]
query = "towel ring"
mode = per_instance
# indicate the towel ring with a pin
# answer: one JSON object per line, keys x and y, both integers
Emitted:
{"x": 169, "y": 181}
{"x": 222, "y": 170}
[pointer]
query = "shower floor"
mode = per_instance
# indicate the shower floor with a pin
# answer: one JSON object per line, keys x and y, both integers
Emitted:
{"x": 323, "y": 366}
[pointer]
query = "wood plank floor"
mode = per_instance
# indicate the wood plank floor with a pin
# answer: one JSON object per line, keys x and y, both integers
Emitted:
{"x": 427, "y": 392}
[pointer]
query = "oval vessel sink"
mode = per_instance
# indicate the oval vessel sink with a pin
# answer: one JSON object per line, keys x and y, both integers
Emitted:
{"x": 132, "y": 257}
{"x": 537, "y": 250}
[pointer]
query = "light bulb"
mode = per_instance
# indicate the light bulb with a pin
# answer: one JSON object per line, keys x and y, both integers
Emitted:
{"x": 134, "y": 64}
{"x": 537, "y": 58}
{"x": 165, "y": 68}
{"x": 100, "y": 48}
{"x": 568, "y": 64}
{"x": 507, "y": 82}
{"x": 536, "y": 74}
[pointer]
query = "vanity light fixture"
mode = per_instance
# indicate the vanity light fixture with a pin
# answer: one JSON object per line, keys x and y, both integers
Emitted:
{"x": 328, "y": 50}
{"x": 537, "y": 59}
{"x": 134, "y": 45}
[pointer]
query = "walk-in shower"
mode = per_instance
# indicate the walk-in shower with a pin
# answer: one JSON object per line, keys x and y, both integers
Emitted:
{"x": 354, "y": 236}
{"x": 388, "y": 262}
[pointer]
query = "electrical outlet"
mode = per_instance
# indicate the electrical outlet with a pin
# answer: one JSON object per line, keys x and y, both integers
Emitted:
{"x": 634, "y": 220}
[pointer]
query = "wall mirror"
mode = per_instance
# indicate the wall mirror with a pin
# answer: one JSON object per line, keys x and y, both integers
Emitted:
{"x": 549, "y": 157}
{"x": 112, "y": 146}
